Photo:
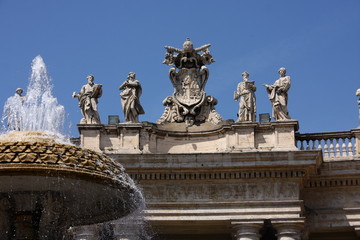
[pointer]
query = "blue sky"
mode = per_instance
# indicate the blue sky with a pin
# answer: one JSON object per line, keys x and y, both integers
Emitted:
{"x": 317, "y": 41}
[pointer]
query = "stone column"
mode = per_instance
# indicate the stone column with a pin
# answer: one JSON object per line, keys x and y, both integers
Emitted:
{"x": 247, "y": 231}
{"x": 126, "y": 230}
{"x": 289, "y": 231}
{"x": 357, "y": 231}
{"x": 89, "y": 232}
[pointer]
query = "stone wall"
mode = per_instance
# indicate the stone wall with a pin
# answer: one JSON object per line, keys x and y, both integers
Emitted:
{"x": 157, "y": 138}
{"x": 235, "y": 180}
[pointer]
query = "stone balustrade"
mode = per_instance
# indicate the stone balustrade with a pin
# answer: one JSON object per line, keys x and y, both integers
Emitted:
{"x": 334, "y": 145}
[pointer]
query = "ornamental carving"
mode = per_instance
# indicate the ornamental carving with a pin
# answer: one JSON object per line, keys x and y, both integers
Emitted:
{"x": 189, "y": 76}
{"x": 57, "y": 156}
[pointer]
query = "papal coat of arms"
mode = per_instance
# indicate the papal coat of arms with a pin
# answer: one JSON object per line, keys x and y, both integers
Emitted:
{"x": 189, "y": 102}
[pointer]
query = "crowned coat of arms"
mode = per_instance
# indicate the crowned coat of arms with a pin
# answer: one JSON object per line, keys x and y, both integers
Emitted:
{"x": 189, "y": 75}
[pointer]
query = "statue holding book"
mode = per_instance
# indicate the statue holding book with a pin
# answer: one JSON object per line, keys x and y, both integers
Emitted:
{"x": 278, "y": 95}
{"x": 88, "y": 100}
{"x": 247, "y": 105}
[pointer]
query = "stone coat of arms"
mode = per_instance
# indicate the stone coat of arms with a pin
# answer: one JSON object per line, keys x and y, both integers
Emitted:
{"x": 189, "y": 102}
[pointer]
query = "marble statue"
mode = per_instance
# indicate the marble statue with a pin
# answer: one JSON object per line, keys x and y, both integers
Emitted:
{"x": 358, "y": 94}
{"x": 88, "y": 101}
{"x": 189, "y": 102}
{"x": 278, "y": 95}
{"x": 19, "y": 92}
{"x": 13, "y": 111}
{"x": 130, "y": 99}
{"x": 247, "y": 105}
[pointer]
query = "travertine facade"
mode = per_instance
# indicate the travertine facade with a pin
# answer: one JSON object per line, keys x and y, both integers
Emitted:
{"x": 178, "y": 138}
{"x": 239, "y": 180}
{"x": 204, "y": 178}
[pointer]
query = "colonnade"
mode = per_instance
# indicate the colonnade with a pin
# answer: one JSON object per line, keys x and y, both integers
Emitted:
{"x": 285, "y": 230}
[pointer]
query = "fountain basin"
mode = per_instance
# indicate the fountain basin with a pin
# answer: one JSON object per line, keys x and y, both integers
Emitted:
{"x": 59, "y": 185}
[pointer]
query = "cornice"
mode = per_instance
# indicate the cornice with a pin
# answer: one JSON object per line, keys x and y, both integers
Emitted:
{"x": 222, "y": 175}
{"x": 344, "y": 181}
{"x": 221, "y": 162}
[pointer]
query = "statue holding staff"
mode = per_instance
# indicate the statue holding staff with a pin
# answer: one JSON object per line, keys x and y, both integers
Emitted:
{"x": 88, "y": 100}
{"x": 278, "y": 95}
{"x": 247, "y": 105}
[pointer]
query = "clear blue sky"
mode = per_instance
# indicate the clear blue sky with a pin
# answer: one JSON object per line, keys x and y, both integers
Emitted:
{"x": 317, "y": 41}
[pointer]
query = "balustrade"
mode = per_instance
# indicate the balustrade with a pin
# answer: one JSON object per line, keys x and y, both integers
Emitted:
{"x": 334, "y": 145}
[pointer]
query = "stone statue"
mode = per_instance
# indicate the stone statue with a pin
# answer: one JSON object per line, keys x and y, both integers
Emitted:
{"x": 19, "y": 92}
{"x": 13, "y": 110}
{"x": 88, "y": 100}
{"x": 247, "y": 105}
{"x": 189, "y": 97}
{"x": 130, "y": 99}
{"x": 358, "y": 94}
{"x": 278, "y": 95}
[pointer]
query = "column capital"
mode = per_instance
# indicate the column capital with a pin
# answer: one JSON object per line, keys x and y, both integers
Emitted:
{"x": 357, "y": 231}
{"x": 289, "y": 230}
{"x": 247, "y": 230}
{"x": 88, "y": 232}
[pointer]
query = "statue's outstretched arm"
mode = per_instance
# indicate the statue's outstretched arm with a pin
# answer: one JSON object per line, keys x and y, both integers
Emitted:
{"x": 172, "y": 49}
{"x": 202, "y": 48}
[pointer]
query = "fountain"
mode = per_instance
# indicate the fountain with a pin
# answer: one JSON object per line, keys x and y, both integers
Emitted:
{"x": 39, "y": 110}
{"x": 46, "y": 185}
